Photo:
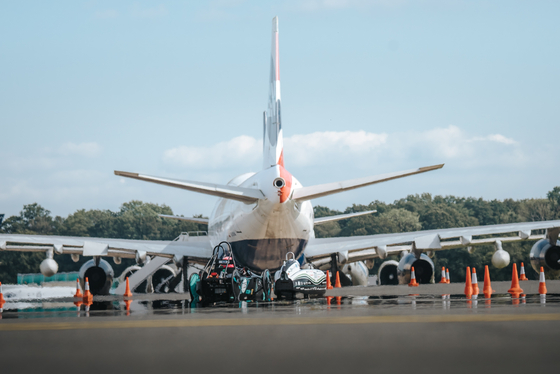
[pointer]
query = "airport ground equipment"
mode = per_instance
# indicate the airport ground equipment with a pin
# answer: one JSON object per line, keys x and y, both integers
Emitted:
{"x": 222, "y": 280}
{"x": 292, "y": 279}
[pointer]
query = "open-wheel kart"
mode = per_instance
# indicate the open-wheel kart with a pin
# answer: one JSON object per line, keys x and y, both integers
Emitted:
{"x": 291, "y": 279}
{"x": 222, "y": 280}
{"x": 250, "y": 286}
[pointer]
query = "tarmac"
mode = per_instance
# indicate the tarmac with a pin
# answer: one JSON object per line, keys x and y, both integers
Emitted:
{"x": 379, "y": 332}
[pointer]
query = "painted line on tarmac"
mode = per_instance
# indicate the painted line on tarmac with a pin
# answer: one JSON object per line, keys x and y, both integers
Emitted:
{"x": 215, "y": 322}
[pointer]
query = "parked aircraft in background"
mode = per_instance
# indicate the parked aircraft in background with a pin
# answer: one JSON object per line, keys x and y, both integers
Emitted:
{"x": 267, "y": 214}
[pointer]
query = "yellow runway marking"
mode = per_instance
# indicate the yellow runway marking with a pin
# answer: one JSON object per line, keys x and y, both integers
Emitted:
{"x": 212, "y": 322}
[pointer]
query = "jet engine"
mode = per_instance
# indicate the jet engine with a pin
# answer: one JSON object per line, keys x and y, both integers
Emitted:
{"x": 423, "y": 268}
{"x": 100, "y": 276}
{"x": 388, "y": 273}
{"x": 546, "y": 255}
{"x": 358, "y": 272}
{"x": 162, "y": 277}
{"x": 157, "y": 282}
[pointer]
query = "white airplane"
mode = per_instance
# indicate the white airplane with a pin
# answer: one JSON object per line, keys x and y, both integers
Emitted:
{"x": 267, "y": 214}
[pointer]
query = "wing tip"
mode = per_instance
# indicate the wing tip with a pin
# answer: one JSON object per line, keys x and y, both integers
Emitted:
{"x": 433, "y": 167}
{"x": 126, "y": 174}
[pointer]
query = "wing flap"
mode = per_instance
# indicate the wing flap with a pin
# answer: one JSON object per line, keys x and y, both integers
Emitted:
{"x": 199, "y": 248}
{"x": 426, "y": 240}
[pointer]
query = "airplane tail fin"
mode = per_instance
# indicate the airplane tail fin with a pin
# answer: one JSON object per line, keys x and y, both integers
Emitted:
{"x": 272, "y": 135}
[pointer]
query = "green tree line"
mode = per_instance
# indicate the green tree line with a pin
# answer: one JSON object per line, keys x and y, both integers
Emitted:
{"x": 424, "y": 212}
{"x": 134, "y": 220}
{"x": 138, "y": 220}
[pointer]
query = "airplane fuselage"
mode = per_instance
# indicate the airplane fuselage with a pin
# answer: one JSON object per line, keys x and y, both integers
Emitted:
{"x": 262, "y": 233}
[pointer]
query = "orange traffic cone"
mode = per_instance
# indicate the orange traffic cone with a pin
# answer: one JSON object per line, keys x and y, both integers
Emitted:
{"x": 443, "y": 279}
{"x": 78, "y": 290}
{"x": 468, "y": 283}
{"x": 475, "y": 289}
{"x": 487, "y": 290}
{"x": 127, "y": 306}
{"x": 127, "y": 292}
{"x": 413, "y": 282}
{"x": 337, "y": 282}
{"x": 2, "y": 301}
{"x": 522, "y": 276}
{"x": 542, "y": 283}
{"x": 338, "y": 285}
{"x": 88, "y": 297}
{"x": 447, "y": 276}
{"x": 515, "y": 289}
{"x": 329, "y": 287}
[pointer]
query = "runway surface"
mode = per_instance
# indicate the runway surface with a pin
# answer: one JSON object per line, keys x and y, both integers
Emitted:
{"x": 418, "y": 334}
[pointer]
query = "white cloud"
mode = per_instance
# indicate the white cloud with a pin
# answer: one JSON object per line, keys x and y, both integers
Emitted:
{"x": 90, "y": 149}
{"x": 495, "y": 138}
{"x": 239, "y": 150}
{"x": 315, "y": 148}
{"x": 358, "y": 149}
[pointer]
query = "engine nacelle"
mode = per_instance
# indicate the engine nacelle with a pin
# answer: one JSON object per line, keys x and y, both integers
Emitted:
{"x": 423, "y": 268}
{"x": 162, "y": 277}
{"x": 387, "y": 273}
{"x": 48, "y": 267}
{"x": 157, "y": 282}
{"x": 358, "y": 272}
{"x": 546, "y": 255}
{"x": 100, "y": 277}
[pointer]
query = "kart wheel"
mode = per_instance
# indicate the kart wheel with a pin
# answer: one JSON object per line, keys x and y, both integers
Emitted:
{"x": 194, "y": 282}
{"x": 236, "y": 284}
{"x": 267, "y": 285}
{"x": 259, "y": 289}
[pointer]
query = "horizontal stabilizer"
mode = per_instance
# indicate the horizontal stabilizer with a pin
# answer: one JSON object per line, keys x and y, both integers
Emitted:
{"x": 313, "y": 192}
{"x": 246, "y": 195}
{"x": 321, "y": 220}
{"x": 203, "y": 221}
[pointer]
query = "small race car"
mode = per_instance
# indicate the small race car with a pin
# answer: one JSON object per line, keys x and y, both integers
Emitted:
{"x": 292, "y": 279}
{"x": 222, "y": 281}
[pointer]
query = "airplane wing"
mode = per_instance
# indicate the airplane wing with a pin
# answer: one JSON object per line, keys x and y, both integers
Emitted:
{"x": 246, "y": 195}
{"x": 313, "y": 192}
{"x": 203, "y": 221}
{"x": 318, "y": 221}
{"x": 196, "y": 248}
{"x": 361, "y": 248}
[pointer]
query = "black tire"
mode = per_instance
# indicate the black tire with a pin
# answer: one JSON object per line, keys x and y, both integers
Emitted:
{"x": 236, "y": 284}
{"x": 259, "y": 290}
{"x": 267, "y": 285}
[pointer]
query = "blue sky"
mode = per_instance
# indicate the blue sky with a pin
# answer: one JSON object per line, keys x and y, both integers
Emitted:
{"x": 177, "y": 89}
